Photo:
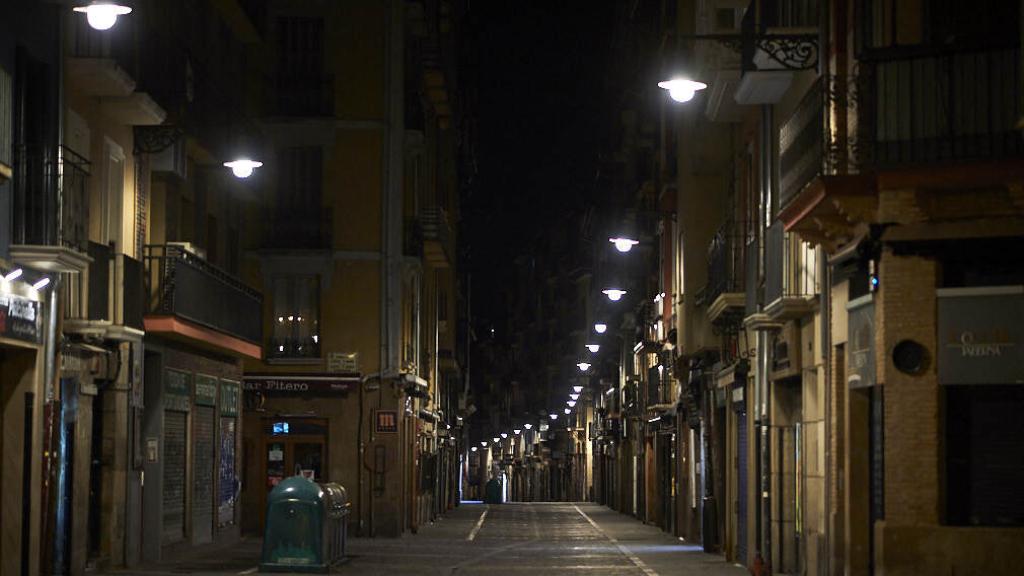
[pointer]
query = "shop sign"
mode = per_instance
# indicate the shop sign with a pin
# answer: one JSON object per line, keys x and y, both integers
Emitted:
{"x": 177, "y": 390}
{"x": 861, "y": 342}
{"x": 20, "y": 319}
{"x": 206, "y": 390}
{"x": 386, "y": 421}
{"x": 229, "y": 395}
{"x": 299, "y": 385}
{"x": 981, "y": 335}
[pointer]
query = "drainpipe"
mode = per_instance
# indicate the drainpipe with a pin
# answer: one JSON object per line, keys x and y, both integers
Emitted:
{"x": 763, "y": 359}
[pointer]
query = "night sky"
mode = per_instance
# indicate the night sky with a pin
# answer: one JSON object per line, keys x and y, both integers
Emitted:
{"x": 541, "y": 86}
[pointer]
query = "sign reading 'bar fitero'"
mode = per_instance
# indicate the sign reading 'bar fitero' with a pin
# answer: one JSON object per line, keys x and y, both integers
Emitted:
{"x": 300, "y": 384}
{"x": 981, "y": 336}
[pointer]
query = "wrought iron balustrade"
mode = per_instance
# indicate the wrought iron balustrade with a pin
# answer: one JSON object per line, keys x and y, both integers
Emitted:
{"x": 726, "y": 261}
{"x": 301, "y": 95}
{"x": 179, "y": 283}
{"x": 51, "y": 206}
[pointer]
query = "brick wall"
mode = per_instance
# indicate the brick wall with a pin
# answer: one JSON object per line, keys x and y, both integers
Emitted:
{"x": 906, "y": 309}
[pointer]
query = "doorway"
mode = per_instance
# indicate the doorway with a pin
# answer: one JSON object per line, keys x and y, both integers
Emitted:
{"x": 292, "y": 447}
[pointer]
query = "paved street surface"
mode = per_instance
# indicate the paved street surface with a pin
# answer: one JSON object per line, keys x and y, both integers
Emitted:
{"x": 526, "y": 539}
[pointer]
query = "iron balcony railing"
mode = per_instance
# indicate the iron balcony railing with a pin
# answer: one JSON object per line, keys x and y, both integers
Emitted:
{"x": 115, "y": 289}
{"x": 725, "y": 260}
{"x": 179, "y": 283}
{"x": 51, "y": 206}
{"x": 790, "y": 266}
{"x": 303, "y": 230}
{"x": 301, "y": 95}
{"x": 942, "y": 106}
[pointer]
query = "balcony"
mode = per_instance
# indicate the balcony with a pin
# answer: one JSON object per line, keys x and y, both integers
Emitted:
{"x": 51, "y": 208}
{"x": 438, "y": 241}
{"x": 300, "y": 96}
{"x": 218, "y": 309}
{"x": 777, "y": 38}
{"x": 725, "y": 289}
{"x": 106, "y": 302}
{"x": 302, "y": 230}
{"x": 791, "y": 275}
{"x": 101, "y": 64}
{"x": 943, "y": 119}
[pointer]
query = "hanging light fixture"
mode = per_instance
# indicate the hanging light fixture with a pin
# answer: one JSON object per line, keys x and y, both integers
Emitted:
{"x": 600, "y": 328}
{"x": 682, "y": 89}
{"x": 583, "y": 366}
{"x": 571, "y": 403}
{"x": 574, "y": 396}
{"x": 527, "y": 425}
{"x": 567, "y": 411}
{"x": 102, "y": 15}
{"x": 614, "y": 294}
{"x": 577, "y": 389}
{"x": 517, "y": 431}
{"x": 504, "y": 435}
{"x": 623, "y": 244}
{"x": 555, "y": 416}
{"x": 593, "y": 348}
{"x": 243, "y": 167}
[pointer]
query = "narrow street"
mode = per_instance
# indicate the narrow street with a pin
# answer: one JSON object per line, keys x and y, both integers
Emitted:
{"x": 524, "y": 538}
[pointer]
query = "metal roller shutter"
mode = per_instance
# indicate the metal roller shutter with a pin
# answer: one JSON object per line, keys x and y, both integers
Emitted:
{"x": 226, "y": 485}
{"x": 202, "y": 474}
{"x": 174, "y": 477}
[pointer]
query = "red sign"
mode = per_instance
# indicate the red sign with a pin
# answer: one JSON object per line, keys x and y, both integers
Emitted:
{"x": 387, "y": 421}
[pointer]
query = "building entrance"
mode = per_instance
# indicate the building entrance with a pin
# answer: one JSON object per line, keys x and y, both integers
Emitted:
{"x": 292, "y": 447}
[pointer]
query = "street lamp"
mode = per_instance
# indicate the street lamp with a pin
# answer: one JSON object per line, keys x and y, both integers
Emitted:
{"x": 613, "y": 294}
{"x": 527, "y": 426}
{"x": 243, "y": 167}
{"x": 593, "y": 348}
{"x": 682, "y": 89}
{"x": 102, "y": 15}
{"x": 483, "y": 444}
{"x": 600, "y": 328}
{"x": 571, "y": 403}
{"x": 496, "y": 439}
{"x": 574, "y": 396}
{"x": 517, "y": 431}
{"x": 473, "y": 449}
{"x": 577, "y": 389}
{"x": 555, "y": 416}
{"x": 623, "y": 244}
{"x": 567, "y": 411}
{"x": 583, "y": 366}
{"x": 504, "y": 435}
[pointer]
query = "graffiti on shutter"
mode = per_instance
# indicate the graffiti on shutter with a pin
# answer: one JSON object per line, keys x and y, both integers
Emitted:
{"x": 202, "y": 475}
{"x": 226, "y": 479}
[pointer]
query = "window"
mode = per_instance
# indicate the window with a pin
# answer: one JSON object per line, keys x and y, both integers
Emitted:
{"x": 296, "y": 319}
{"x": 984, "y": 455}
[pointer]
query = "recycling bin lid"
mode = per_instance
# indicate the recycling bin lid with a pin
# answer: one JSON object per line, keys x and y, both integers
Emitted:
{"x": 295, "y": 488}
{"x": 335, "y": 499}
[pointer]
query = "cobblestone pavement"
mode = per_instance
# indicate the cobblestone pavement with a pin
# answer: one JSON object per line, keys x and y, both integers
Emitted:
{"x": 535, "y": 538}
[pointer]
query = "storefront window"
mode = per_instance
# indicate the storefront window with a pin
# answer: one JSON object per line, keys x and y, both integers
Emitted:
{"x": 296, "y": 319}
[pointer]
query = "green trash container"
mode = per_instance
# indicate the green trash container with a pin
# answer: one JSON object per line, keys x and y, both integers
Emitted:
{"x": 492, "y": 491}
{"x": 305, "y": 528}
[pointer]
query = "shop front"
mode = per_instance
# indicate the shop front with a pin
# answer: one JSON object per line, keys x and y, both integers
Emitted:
{"x": 21, "y": 398}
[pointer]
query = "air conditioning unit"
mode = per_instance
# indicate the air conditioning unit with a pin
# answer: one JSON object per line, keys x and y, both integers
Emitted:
{"x": 190, "y": 248}
{"x": 171, "y": 160}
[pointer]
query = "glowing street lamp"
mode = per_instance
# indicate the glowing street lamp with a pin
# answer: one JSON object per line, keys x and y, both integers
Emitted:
{"x": 583, "y": 366}
{"x": 567, "y": 411}
{"x": 517, "y": 431}
{"x": 243, "y": 167}
{"x": 600, "y": 328}
{"x": 13, "y": 274}
{"x": 473, "y": 449}
{"x": 574, "y": 396}
{"x": 555, "y": 416}
{"x": 483, "y": 444}
{"x": 577, "y": 389}
{"x": 623, "y": 244}
{"x": 496, "y": 439}
{"x": 571, "y": 403}
{"x": 102, "y": 15}
{"x": 613, "y": 294}
{"x": 593, "y": 348}
{"x": 504, "y": 435}
{"x": 682, "y": 89}
{"x": 527, "y": 426}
